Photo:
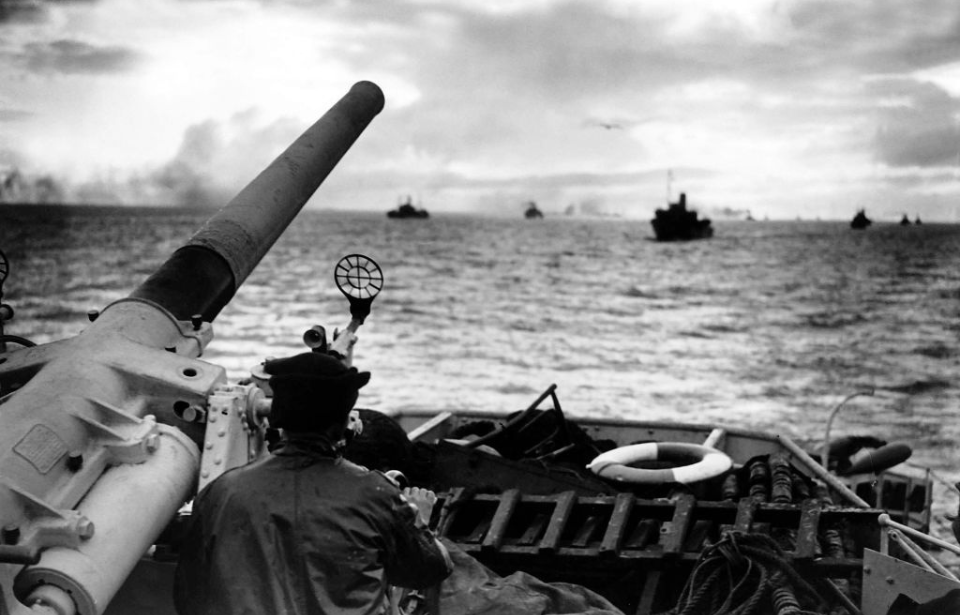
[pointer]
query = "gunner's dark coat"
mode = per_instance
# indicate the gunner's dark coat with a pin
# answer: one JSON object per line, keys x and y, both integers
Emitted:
{"x": 301, "y": 531}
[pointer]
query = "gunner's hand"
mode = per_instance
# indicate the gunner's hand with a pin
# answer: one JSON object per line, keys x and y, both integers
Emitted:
{"x": 422, "y": 500}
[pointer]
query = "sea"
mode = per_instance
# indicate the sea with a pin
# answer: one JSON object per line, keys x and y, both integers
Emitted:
{"x": 769, "y": 325}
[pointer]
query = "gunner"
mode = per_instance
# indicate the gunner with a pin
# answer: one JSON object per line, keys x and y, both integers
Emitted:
{"x": 303, "y": 530}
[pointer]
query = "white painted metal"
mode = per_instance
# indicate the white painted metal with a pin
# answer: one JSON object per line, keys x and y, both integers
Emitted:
{"x": 129, "y": 506}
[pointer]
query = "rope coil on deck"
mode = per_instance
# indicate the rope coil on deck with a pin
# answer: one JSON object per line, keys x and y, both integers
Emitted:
{"x": 744, "y": 574}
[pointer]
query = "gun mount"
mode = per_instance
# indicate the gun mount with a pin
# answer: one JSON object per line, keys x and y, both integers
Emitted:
{"x": 126, "y": 412}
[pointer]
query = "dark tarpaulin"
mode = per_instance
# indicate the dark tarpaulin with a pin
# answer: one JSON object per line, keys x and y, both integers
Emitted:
{"x": 947, "y": 604}
{"x": 474, "y": 589}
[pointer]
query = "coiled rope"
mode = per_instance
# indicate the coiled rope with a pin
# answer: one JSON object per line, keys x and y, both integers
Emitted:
{"x": 744, "y": 574}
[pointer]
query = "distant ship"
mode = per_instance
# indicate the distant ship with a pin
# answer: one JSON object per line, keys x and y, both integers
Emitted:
{"x": 860, "y": 221}
{"x": 677, "y": 223}
{"x": 407, "y": 210}
{"x": 532, "y": 211}
{"x": 904, "y": 221}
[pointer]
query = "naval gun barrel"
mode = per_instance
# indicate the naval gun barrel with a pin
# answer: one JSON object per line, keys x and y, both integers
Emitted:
{"x": 202, "y": 276}
{"x": 94, "y": 459}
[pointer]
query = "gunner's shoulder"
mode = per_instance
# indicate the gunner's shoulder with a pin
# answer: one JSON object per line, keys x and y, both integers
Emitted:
{"x": 374, "y": 477}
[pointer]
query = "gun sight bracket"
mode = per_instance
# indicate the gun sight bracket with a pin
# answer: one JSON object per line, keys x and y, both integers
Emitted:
{"x": 360, "y": 279}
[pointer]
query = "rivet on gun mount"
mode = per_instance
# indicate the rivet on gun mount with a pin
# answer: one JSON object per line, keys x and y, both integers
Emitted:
{"x": 360, "y": 279}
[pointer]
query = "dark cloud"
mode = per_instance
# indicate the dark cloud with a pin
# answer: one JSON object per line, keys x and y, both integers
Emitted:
{"x": 533, "y": 98}
{"x": 581, "y": 53}
{"x": 570, "y": 53}
{"x": 918, "y": 125}
{"x": 883, "y": 36}
{"x": 21, "y": 11}
{"x": 31, "y": 11}
{"x": 17, "y": 187}
{"x": 528, "y": 78}
{"x": 77, "y": 57}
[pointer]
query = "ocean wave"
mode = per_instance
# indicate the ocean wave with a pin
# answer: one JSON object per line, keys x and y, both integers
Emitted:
{"x": 936, "y": 351}
{"x": 766, "y": 325}
{"x": 833, "y": 320}
{"x": 918, "y": 387}
{"x": 636, "y": 292}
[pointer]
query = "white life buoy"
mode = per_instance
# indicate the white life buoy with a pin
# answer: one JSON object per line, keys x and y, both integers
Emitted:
{"x": 613, "y": 464}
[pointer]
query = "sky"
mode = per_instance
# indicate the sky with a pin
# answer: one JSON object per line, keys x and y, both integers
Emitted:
{"x": 781, "y": 108}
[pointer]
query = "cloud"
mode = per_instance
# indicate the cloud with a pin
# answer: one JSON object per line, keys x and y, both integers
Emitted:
{"x": 13, "y": 115}
{"x": 21, "y": 11}
{"x": 18, "y": 188}
{"x": 489, "y": 98}
{"x": 918, "y": 125}
{"x": 218, "y": 158}
{"x": 18, "y": 12}
{"x": 882, "y": 36}
{"x": 77, "y": 57}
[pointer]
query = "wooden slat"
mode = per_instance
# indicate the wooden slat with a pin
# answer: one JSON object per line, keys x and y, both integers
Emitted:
{"x": 533, "y": 530}
{"x": 422, "y": 430}
{"x": 448, "y": 510}
{"x": 653, "y": 557}
{"x": 586, "y": 531}
{"x": 642, "y": 534}
{"x": 808, "y": 529}
{"x": 698, "y": 535}
{"x": 745, "y": 511}
{"x": 673, "y": 540}
{"x": 479, "y": 531}
{"x": 650, "y": 584}
{"x": 619, "y": 518}
{"x": 558, "y": 521}
{"x": 501, "y": 519}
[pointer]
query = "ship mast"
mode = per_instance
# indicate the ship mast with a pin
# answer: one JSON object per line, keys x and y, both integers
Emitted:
{"x": 669, "y": 180}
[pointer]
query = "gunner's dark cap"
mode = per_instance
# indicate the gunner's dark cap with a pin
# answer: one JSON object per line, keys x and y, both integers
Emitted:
{"x": 312, "y": 391}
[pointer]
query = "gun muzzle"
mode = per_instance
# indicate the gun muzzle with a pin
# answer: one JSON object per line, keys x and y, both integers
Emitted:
{"x": 202, "y": 276}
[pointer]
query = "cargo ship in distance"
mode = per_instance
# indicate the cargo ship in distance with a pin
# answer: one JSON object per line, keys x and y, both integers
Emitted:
{"x": 677, "y": 223}
{"x": 407, "y": 210}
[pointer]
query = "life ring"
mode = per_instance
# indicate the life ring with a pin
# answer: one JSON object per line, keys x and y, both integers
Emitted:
{"x": 613, "y": 464}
